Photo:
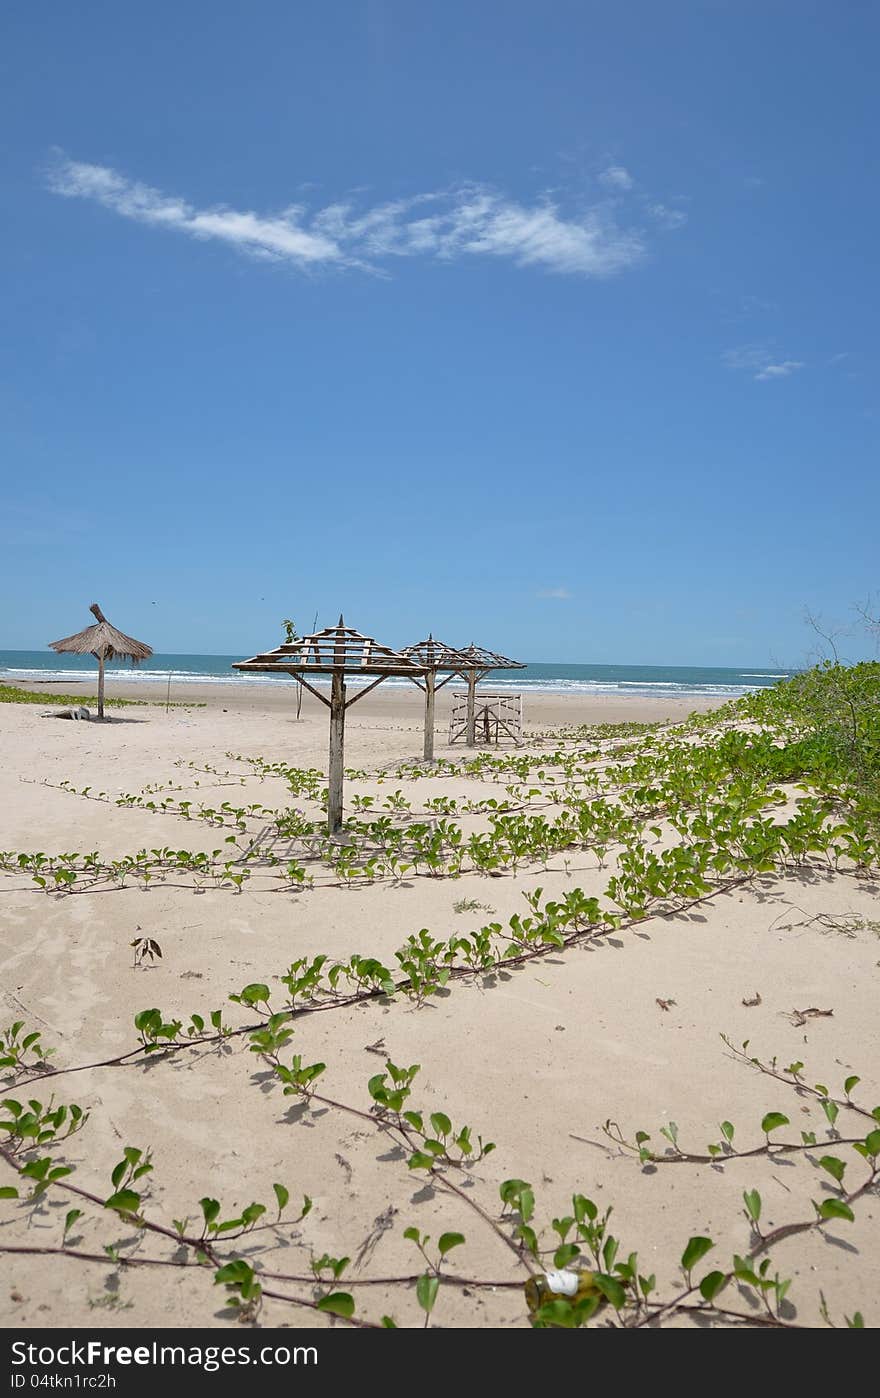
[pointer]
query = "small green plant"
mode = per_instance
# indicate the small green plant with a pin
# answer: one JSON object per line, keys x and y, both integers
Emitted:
{"x": 145, "y": 948}
{"x": 20, "y": 1050}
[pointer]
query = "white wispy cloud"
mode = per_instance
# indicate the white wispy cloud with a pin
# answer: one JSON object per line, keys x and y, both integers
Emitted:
{"x": 780, "y": 371}
{"x": 558, "y": 594}
{"x": 666, "y": 217}
{"x": 762, "y": 363}
{"x": 616, "y": 177}
{"x": 468, "y": 220}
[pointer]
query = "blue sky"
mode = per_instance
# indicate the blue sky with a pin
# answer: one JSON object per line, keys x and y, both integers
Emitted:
{"x": 549, "y": 326}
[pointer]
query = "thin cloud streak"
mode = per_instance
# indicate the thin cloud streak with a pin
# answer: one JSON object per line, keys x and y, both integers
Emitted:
{"x": 779, "y": 371}
{"x": 616, "y": 177}
{"x": 557, "y": 594}
{"x": 762, "y": 363}
{"x": 667, "y": 218}
{"x": 444, "y": 225}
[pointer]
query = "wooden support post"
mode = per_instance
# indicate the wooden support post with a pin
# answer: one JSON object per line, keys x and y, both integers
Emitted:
{"x": 337, "y": 746}
{"x": 100, "y": 686}
{"x": 471, "y": 709}
{"x": 430, "y": 689}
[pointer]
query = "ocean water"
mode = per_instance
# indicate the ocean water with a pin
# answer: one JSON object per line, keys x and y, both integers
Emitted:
{"x": 661, "y": 681}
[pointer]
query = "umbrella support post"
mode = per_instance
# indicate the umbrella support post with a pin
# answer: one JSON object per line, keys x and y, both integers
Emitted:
{"x": 471, "y": 709}
{"x": 430, "y": 691}
{"x": 100, "y": 686}
{"x": 337, "y": 748}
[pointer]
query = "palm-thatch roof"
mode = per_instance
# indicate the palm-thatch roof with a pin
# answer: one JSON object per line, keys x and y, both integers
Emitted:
{"x": 103, "y": 641}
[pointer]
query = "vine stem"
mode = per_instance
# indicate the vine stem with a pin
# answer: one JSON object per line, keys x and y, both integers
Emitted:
{"x": 796, "y": 1083}
{"x": 769, "y": 1240}
{"x": 407, "y": 1279}
{"x": 578, "y": 937}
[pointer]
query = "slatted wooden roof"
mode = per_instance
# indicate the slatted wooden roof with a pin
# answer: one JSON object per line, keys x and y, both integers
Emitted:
{"x": 336, "y": 648}
{"x": 478, "y": 658}
{"x": 436, "y": 655}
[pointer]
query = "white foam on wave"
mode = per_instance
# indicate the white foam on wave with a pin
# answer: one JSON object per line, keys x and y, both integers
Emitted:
{"x": 622, "y": 689}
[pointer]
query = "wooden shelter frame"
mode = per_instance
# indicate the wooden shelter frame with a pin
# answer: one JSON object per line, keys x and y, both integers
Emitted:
{"x": 336, "y": 651}
{"x": 478, "y": 662}
{"x": 496, "y": 712}
{"x": 436, "y": 658}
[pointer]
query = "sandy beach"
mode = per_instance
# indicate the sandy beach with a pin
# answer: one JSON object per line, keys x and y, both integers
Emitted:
{"x": 398, "y": 704}
{"x": 624, "y": 1027}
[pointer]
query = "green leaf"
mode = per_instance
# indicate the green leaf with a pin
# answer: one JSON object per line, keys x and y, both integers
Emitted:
{"x": 850, "y": 1084}
{"x": 562, "y": 1226}
{"x": 448, "y": 1241}
{"x": 772, "y": 1121}
{"x": 70, "y": 1219}
{"x": 147, "y": 1019}
{"x": 743, "y": 1271}
{"x": 752, "y": 1201}
{"x": 255, "y": 993}
{"x": 234, "y": 1273}
{"x": 8, "y": 1191}
{"x": 584, "y": 1208}
{"x": 210, "y": 1209}
{"x": 611, "y": 1289}
{"x": 564, "y": 1255}
{"x": 831, "y": 1110}
{"x": 727, "y": 1130}
{"x": 526, "y": 1203}
{"x": 124, "y": 1201}
{"x": 337, "y": 1303}
{"x": 836, "y": 1168}
{"x": 420, "y": 1161}
{"x": 282, "y": 1195}
{"x": 427, "y": 1287}
{"x": 529, "y": 1237}
{"x": 440, "y": 1124}
{"x": 696, "y": 1249}
{"x": 836, "y": 1208}
{"x": 376, "y": 1085}
{"x": 872, "y": 1143}
{"x": 711, "y": 1284}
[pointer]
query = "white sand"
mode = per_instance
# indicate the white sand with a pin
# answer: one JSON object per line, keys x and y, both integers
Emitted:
{"x": 534, "y": 1061}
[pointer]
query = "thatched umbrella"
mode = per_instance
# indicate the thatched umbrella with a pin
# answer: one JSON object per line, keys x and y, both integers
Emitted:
{"x": 104, "y": 642}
